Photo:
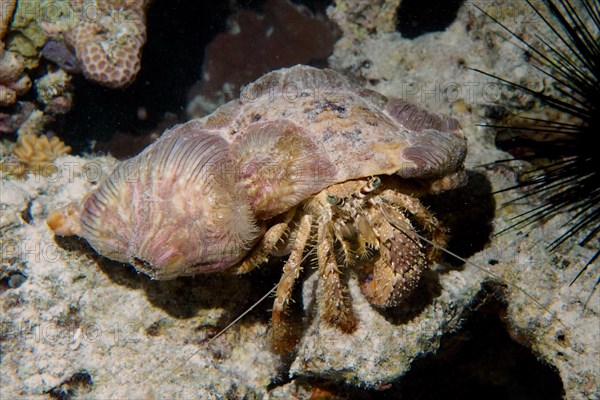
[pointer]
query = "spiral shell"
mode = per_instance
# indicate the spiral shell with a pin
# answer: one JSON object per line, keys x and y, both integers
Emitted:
{"x": 175, "y": 209}
{"x": 202, "y": 195}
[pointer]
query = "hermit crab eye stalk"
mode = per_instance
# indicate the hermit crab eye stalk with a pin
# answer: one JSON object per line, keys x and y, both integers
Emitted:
{"x": 374, "y": 184}
{"x": 335, "y": 200}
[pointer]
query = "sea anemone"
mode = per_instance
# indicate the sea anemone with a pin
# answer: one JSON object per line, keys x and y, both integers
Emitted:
{"x": 564, "y": 170}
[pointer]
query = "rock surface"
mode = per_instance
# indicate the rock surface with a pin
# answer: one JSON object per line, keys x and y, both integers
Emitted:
{"x": 74, "y": 323}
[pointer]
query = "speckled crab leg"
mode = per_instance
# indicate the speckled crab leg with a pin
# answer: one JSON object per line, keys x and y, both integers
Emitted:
{"x": 422, "y": 215}
{"x": 337, "y": 310}
{"x": 260, "y": 253}
{"x": 291, "y": 270}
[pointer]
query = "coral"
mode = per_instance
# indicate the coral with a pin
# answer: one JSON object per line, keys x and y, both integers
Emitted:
{"x": 6, "y": 11}
{"x": 107, "y": 36}
{"x": 13, "y": 80}
{"x": 11, "y": 67}
{"x": 134, "y": 332}
{"x": 37, "y": 153}
{"x": 361, "y": 18}
{"x": 25, "y": 36}
{"x": 33, "y": 125}
{"x": 19, "y": 113}
{"x": 53, "y": 91}
{"x": 60, "y": 104}
{"x": 284, "y": 36}
{"x": 7, "y": 96}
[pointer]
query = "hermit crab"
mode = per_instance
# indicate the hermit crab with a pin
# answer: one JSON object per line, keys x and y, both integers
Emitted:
{"x": 304, "y": 161}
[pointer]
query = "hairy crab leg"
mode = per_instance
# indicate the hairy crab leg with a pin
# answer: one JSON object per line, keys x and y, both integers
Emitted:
{"x": 342, "y": 236}
{"x": 340, "y": 229}
{"x": 281, "y": 337}
{"x": 337, "y": 310}
{"x": 260, "y": 253}
{"x": 366, "y": 237}
{"x": 422, "y": 215}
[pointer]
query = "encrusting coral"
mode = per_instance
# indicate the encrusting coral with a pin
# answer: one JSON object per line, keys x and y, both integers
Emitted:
{"x": 6, "y": 10}
{"x": 11, "y": 120}
{"x": 13, "y": 80}
{"x": 54, "y": 92}
{"x": 24, "y": 35}
{"x": 107, "y": 35}
{"x": 33, "y": 125}
{"x": 361, "y": 18}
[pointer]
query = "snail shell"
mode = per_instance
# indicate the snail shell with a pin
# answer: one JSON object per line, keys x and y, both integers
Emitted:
{"x": 175, "y": 209}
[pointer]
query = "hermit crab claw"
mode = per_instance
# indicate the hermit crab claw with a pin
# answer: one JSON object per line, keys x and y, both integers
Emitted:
{"x": 172, "y": 210}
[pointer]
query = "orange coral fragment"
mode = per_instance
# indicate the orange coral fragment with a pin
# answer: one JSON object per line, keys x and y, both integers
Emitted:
{"x": 37, "y": 153}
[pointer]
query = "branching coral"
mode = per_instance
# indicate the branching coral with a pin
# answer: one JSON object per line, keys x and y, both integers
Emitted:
{"x": 107, "y": 36}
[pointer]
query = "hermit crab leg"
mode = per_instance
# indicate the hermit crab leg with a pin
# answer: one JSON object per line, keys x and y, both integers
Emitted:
{"x": 343, "y": 233}
{"x": 342, "y": 230}
{"x": 291, "y": 271}
{"x": 265, "y": 246}
{"x": 366, "y": 237}
{"x": 422, "y": 215}
{"x": 357, "y": 230}
{"x": 334, "y": 302}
